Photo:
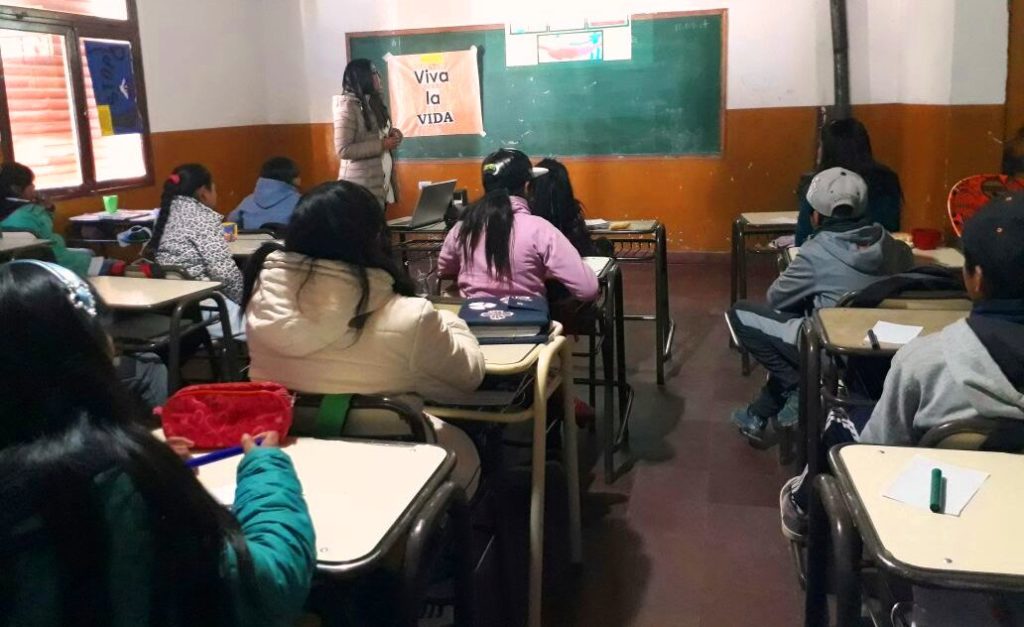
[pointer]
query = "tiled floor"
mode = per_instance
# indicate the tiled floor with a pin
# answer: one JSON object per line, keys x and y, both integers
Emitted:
{"x": 690, "y": 536}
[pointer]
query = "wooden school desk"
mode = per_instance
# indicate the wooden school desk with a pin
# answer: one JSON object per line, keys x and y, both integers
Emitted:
{"x": 644, "y": 241}
{"x": 978, "y": 550}
{"x": 551, "y": 364}
{"x": 100, "y": 229}
{"x": 763, "y": 224}
{"x": 16, "y": 244}
{"x": 612, "y": 344}
{"x": 945, "y": 257}
{"x": 423, "y": 241}
{"x": 841, "y": 331}
{"x": 362, "y": 496}
{"x": 247, "y": 244}
{"x": 152, "y": 326}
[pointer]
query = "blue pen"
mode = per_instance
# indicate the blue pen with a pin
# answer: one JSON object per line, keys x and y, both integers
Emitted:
{"x": 216, "y": 456}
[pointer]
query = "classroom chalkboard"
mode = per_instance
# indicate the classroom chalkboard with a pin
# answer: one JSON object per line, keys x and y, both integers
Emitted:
{"x": 666, "y": 100}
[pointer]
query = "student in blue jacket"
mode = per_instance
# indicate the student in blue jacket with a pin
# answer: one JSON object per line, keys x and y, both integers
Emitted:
{"x": 273, "y": 202}
{"x": 102, "y": 524}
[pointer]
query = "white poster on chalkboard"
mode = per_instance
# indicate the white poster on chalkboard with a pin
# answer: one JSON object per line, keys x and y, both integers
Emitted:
{"x": 569, "y": 40}
{"x": 435, "y": 94}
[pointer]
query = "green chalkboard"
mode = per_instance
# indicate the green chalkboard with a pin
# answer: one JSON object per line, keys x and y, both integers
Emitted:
{"x": 667, "y": 100}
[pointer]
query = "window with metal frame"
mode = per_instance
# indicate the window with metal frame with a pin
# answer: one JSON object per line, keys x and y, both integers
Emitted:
{"x": 72, "y": 94}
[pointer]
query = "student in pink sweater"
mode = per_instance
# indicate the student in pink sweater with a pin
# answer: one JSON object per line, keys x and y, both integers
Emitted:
{"x": 500, "y": 249}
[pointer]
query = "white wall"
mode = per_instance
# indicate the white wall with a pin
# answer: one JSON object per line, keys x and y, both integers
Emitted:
{"x": 779, "y": 51}
{"x": 203, "y": 63}
{"x": 213, "y": 63}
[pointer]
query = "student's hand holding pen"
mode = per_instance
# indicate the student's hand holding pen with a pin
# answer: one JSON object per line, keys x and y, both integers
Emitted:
{"x": 182, "y": 447}
{"x": 270, "y": 439}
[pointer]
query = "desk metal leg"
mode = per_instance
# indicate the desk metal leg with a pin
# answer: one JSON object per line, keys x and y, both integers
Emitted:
{"x": 570, "y": 458}
{"x": 663, "y": 315}
{"x": 734, "y": 268}
{"x": 540, "y": 421}
{"x": 610, "y": 382}
{"x": 625, "y": 392}
{"x": 816, "y": 599}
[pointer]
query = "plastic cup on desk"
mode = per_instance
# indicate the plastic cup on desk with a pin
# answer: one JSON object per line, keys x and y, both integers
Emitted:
{"x": 110, "y": 204}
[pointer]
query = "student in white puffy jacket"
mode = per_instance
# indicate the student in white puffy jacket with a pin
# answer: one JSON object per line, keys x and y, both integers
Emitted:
{"x": 331, "y": 312}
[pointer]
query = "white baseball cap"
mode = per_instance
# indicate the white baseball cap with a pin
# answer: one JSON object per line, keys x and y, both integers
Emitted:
{"x": 837, "y": 187}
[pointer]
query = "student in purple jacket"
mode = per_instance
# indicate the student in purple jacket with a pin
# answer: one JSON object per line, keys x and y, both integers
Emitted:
{"x": 501, "y": 249}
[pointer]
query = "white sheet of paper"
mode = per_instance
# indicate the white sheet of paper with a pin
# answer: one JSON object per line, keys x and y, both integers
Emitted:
{"x": 596, "y": 223}
{"x": 597, "y": 264}
{"x": 225, "y": 494}
{"x": 892, "y": 333}
{"x": 913, "y": 485}
{"x": 783, "y": 220}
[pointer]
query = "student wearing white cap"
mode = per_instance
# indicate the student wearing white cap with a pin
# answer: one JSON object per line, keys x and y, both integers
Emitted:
{"x": 846, "y": 254}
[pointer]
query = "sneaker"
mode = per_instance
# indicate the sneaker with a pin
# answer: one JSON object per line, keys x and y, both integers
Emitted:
{"x": 794, "y": 520}
{"x": 754, "y": 428}
{"x": 789, "y": 415}
{"x": 746, "y": 421}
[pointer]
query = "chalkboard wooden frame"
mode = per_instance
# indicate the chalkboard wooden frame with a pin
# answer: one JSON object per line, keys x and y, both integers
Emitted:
{"x": 723, "y": 13}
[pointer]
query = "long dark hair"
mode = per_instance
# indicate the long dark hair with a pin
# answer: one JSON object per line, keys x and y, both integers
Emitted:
{"x": 185, "y": 180}
{"x": 358, "y": 80}
{"x": 554, "y": 200}
{"x": 337, "y": 221}
{"x": 14, "y": 178}
{"x": 846, "y": 144}
{"x": 491, "y": 218}
{"x": 69, "y": 432}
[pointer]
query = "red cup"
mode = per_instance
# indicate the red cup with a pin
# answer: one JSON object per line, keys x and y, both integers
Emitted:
{"x": 926, "y": 239}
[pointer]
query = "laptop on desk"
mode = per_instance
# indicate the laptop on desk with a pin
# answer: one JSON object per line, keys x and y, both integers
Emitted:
{"x": 432, "y": 206}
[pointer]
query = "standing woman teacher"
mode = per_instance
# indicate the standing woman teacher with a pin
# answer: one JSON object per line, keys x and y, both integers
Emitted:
{"x": 363, "y": 135}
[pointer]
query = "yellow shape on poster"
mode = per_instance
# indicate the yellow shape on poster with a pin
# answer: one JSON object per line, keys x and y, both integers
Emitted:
{"x": 435, "y": 57}
{"x": 106, "y": 120}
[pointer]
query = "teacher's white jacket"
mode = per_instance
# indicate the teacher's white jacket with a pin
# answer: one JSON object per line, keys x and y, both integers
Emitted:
{"x": 300, "y": 334}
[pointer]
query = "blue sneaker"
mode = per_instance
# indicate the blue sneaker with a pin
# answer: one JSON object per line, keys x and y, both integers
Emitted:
{"x": 754, "y": 428}
{"x": 789, "y": 415}
{"x": 746, "y": 421}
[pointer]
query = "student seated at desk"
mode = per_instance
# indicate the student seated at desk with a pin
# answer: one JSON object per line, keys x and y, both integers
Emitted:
{"x": 846, "y": 144}
{"x": 555, "y": 201}
{"x": 973, "y": 368}
{"x": 500, "y": 248}
{"x": 847, "y": 253}
{"x": 102, "y": 524}
{"x": 331, "y": 312}
{"x": 272, "y": 203}
{"x": 22, "y": 210}
{"x": 188, "y": 235}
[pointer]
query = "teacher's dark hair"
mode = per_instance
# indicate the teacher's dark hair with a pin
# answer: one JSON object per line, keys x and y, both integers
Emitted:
{"x": 491, "y": 218}
{"x": 337, "y": 221}
{"x": 846, "y": 144}
{"x": 184, "y": 180}
{"x": 358, "y": 80}
{"x": 69, "y": 437}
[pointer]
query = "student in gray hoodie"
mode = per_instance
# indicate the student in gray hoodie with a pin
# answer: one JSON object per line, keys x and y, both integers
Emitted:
{"x": 846, "y": 254}
{"x": 274, "y": 199}
{"x": 975, "y": 367}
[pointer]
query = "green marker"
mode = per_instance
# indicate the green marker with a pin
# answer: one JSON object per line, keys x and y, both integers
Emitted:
{"x": 935, "y": 502}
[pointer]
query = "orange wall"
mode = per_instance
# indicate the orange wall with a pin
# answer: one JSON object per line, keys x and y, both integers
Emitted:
{"x": 766, "y": 150}
{"x": 1015, "y": 75}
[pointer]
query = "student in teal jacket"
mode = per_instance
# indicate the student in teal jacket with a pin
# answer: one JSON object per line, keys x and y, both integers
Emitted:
{"x": 20, "y": 210}
{"x": 102, "y": 524}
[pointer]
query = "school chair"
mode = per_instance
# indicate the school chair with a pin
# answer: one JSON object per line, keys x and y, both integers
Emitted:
{"x": 858, "y": 584}
{"x": 442, "y": 526}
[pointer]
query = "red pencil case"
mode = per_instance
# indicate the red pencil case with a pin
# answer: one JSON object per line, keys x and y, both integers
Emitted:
{"x": 217, "y": 415}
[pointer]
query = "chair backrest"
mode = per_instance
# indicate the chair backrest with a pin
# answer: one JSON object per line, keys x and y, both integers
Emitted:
{"x": 1002, "y": 435}
{"x": 369, "y": 417}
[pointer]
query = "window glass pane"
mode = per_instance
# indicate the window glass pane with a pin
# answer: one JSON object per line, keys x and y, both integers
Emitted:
{"x": 40, "y": 103}
{"x": 112, "y": 9}
{"x": 118, "y": 150}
